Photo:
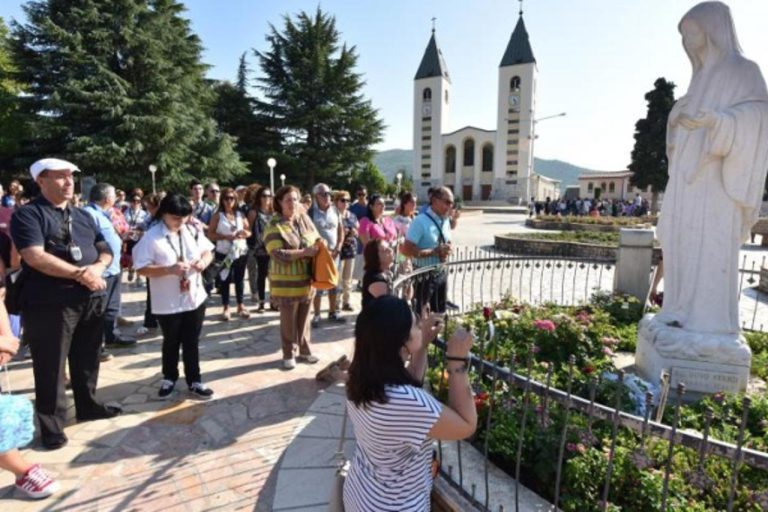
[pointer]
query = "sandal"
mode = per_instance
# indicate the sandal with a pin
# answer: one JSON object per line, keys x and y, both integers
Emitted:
{"x": 244, "y": 314}
{"x": 326, "y": 374}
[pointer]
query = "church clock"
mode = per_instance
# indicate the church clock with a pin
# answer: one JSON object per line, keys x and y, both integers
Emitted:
{"x": 426, "y": 110}
{"x": 514, "y": 100}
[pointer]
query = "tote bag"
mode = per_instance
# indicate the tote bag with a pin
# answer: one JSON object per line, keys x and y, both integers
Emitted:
{"x": 325, "y": 275}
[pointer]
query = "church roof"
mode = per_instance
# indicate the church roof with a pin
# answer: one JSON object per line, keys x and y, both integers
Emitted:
{"x": 432, "y": 64}
{"x": 519, "y": 48}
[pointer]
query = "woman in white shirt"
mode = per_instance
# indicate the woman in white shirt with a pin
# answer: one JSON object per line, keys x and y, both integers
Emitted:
{"x": 229, "y": 229}
{"x": 173, "y": 255}
{"x": 394, "y": 419}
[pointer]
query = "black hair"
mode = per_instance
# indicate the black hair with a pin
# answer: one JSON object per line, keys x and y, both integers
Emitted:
{"x": 193, "y": 183}
{"x": 100, "y": 192}
{"x": 371, "y": 256}
{"x": 371, "y": 200}
{"x": 174, "y": 204}
{"x": 381, "y": 331}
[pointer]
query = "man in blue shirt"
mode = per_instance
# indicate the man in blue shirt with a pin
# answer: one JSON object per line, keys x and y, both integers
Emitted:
{"x": 428, "y": 242}
{"x": 102, "y": 198}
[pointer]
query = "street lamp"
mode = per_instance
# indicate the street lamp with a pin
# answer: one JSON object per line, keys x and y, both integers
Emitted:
{"x": 282, "y": 180}
{"x": 399, "y": 177}
{"x": 533, "y": 138}
{"x": 272, "y": 163}
{"x": 152, "y": 171}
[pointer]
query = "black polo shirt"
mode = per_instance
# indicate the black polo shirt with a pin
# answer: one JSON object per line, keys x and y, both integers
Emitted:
{"x": 39, "y": 223}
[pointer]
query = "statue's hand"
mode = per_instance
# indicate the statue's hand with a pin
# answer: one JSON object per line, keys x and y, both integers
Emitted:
{"x": 703, "y": 119}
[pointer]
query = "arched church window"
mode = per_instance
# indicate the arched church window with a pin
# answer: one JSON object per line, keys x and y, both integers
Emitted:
{"x": 469, "y": 152}
{"x": 488, "y": 157}
{"x": 514, "y": 84}
{"x": 450, "y": 160}
{"x": 603, "y": 187}
{"x": 427, "y": 94}
{"x": 611, "y": 187}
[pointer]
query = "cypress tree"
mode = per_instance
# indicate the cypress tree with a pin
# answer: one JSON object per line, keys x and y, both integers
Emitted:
{"x": 649, "y": 156}
{"x": 312, "y": 94}
{"x": 116, "y": 86}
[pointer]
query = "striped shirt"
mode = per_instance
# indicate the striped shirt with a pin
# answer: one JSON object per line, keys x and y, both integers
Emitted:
{"x": 289, "y": 279}
{"x": 390, "y": 471}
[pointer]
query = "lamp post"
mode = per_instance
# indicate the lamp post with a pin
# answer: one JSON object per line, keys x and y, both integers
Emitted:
{"x": 152, "y": 171}
{"x": 399, "y": 178}
{"x": 533, "y": 138}
{"x": 272, "y": 163}
{"x": 282, "y": 180}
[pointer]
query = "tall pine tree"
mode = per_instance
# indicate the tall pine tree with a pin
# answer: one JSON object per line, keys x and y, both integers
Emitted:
{"x": 11, "y": 121}
{"x": 313, "y": 96}
{"x": 235, "y": 112}
{"x": 649, "y": 156}
{"x": 116, "y": 86}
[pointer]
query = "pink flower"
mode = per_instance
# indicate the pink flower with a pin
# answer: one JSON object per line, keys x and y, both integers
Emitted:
{"x": 571, "y": 447}
{"x": 608, "y": 352}
{"x": 545, "y": 325}
{"x": 583, "y": 317}
{"x": 608, "y": 341}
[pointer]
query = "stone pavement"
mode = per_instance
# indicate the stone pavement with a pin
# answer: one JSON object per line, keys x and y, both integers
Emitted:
{"x": 184, "y": 454}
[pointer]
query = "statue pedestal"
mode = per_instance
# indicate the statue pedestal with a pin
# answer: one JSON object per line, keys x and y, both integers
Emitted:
{"x": 705, "y": 363}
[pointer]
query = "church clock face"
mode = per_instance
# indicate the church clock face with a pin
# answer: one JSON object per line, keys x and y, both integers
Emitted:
{"x": 514, "y": 100}
{"x": 426, "y": 110}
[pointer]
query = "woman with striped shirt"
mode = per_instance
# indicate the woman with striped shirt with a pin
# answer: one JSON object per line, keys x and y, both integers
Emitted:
{"x": 290, "y": 241}
{"x": 394, "y": 419}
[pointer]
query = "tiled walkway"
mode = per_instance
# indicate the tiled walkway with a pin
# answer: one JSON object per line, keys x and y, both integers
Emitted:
{"x": 185, "y": 455}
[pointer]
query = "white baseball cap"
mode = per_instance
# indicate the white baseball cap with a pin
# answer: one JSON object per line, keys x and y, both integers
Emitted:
{"x": 51, "y": 164}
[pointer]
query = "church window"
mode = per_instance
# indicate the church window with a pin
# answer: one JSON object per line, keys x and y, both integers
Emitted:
{"x": 469, "y": 153}
{"x": 427, "y": 94}
{"x": 488, "y": 158}
{"x": 603, "y": 186}
{"x": 590, "y": 187}
{"x": 514, "y": 84}
{"x": 450, "y": 160}
{"x": 612, "y": 187}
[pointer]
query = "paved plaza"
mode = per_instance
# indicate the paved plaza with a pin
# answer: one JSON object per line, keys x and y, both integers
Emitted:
{"x": 266, "y": 441}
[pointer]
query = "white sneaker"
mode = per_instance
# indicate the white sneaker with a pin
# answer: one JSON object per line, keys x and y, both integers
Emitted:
{"x": 289, "y": 364}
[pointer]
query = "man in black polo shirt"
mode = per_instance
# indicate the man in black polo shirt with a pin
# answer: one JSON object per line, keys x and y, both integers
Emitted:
{"x": 64, "y": 257}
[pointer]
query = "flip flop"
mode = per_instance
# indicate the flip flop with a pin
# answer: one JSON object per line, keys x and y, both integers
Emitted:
{"x": 326, "y": 374}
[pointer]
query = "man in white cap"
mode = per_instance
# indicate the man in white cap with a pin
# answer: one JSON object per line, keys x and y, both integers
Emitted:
{"x": 62, "y": 300}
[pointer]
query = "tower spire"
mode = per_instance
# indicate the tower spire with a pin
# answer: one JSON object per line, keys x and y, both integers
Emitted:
{"x": 433, "y": 24}
{"x": 521, "y": 7}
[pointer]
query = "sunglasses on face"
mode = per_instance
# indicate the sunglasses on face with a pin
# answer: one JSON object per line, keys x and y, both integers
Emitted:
{"x": 214, "y": 191}
{"x": 230, "y": 198}
{"x": 344, "y": 200}
{"x": 323, "y": 194}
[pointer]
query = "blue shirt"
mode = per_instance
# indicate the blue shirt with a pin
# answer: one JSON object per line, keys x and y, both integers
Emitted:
{"x": 107, "y": 230}
{"x": 202, "y": 212}
{"x": 425, "y": 231}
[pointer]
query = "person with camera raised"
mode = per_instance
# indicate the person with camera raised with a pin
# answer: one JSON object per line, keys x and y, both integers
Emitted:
{"x": 428, "y": 242}
{"x": 63, "y": 299}
{"x": 395, "y": 421}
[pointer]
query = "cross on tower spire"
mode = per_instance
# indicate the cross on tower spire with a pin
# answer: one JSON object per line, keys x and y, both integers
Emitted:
{"x": 433, "y": 24}
{"x": 521, "y": 7}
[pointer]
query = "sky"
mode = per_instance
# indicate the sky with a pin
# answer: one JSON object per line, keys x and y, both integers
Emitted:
{"x": 596, "y": 58}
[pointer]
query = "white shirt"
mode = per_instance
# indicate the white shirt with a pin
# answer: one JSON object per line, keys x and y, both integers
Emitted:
{"x": 161, "y": 247}
{"x": 227, "y": 227}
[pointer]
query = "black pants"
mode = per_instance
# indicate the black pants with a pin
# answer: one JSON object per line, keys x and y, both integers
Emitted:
{"x": 431, "y": 289}
{"x": 182, "y": 330}
{"x": 112, "y": 308}
{"x": 55, "y": 333}
{"x": 260, "y": 266}
{"x": 236, "y": 275}
{"x": 150, "y": 320}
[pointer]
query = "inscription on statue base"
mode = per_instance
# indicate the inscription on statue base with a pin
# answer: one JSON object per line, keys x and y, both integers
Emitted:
{"x": 705, "y": 381}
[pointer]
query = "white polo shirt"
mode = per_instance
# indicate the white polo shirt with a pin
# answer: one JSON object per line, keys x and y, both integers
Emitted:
{"x": 160, "y": 247}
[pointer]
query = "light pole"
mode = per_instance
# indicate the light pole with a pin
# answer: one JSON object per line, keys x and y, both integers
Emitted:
{"x": 282, "y": 180}
{"x": 533, "y": 138}
{"x": 272, "y": 163}
{"x": 152, "y": 171}
{"x": 399, "y": 177}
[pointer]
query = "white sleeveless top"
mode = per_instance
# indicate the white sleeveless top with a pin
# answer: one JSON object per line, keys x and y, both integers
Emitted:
{"x": 227, "y": 227}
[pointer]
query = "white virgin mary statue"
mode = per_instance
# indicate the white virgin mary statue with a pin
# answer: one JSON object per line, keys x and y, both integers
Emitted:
{"x": 717, "y": 148}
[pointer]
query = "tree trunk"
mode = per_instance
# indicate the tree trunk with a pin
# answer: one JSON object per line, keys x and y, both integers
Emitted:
{"x": 654, "y": 202}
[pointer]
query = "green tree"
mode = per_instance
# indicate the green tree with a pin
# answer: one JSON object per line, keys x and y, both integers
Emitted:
{"x": 11, "y": 121}
{"x": 313, "y": 95}
{"x": 116, "y": 86}
{"x": 371, "y": 177}
{"x": 235, "y": 113}
{"x": 649, "y": 156}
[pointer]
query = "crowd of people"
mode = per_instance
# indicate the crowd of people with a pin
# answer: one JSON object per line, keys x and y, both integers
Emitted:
{"x": 69, "y": 258}
{"x": 595, "y": 207}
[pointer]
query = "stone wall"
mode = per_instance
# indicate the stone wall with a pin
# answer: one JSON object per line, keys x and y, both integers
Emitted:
{"x": 528, "y": 247}
{"x": 572, "y": 226}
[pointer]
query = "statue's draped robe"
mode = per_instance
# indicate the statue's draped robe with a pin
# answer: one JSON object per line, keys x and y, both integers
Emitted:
{"x": 713, "y": 197}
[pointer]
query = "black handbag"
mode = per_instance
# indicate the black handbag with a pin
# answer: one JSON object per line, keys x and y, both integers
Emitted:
{"x": 14, "y": 283}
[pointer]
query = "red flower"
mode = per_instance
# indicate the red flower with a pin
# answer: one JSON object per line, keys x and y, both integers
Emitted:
{"x": 588, "y": 369}
{"x": 487, "y": 313}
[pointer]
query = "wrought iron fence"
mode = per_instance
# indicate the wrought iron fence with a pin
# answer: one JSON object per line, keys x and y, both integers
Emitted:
{"x": 753, "y": 302}
{"x": 481, "y": 277}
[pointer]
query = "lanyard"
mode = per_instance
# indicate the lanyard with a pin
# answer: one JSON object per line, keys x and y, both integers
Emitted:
{"x": 439, "y": 227}
{"x": 180, "y": 253}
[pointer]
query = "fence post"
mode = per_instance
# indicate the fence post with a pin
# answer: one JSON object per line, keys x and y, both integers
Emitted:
{"x": 633, "y": 265}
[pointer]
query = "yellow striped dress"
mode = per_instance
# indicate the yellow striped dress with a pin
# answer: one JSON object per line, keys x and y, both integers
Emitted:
{"x": 290, "y": 280}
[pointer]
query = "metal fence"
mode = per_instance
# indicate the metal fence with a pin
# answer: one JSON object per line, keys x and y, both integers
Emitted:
{"x": 479, "y": 277}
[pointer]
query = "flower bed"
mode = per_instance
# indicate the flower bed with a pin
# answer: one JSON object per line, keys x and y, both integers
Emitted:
{"x": 591, "y": 334}
{"x": 617, "y": 222}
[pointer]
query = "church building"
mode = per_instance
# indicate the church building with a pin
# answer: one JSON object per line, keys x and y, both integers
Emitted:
{"x": 476, "y": 163}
